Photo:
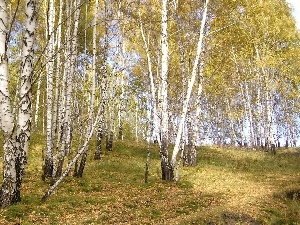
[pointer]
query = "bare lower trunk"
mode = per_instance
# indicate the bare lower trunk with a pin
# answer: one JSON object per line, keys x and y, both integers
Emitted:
{"x": 79, "y": 172}
{"x": 190, "y": 85}
{"x": 48, "y": 166}
{"x": 97, "y": 154}
{"x": 109, "y": 141}
{"x": 147, "y": 162}
{"x": 79, "y": 153}
{"x": 37, "y": 103}
{"x": 190, "y": 153}
{"x": 166, "y": 169}
{"x": 9, "y": 194}
{"x": 16, "y": 147}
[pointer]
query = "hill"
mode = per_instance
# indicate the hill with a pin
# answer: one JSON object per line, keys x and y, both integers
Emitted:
{"x": 228, "y": 186}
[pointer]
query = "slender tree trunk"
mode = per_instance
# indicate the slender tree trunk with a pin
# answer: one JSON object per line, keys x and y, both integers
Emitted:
{"x": 104, "y": 88}
{"x": 234, "y": 138}
{"x": 268, "y": 78}
{"x": 190, "y": 85}
{"x": 67, "y": 124}
{"x": 56, "y": 104}
{"x": 74, "y": 160}
{"x": 79, "y": 172}
{"x": 136, "y": 119}
{"x": 149, "y": 137}
{"x": 122, "y": 55}
{"x": 111, "y": 126}
{"x": 15, "y": 147}
{"x": 195, "y": 124}
{"x": 8, "y": 192}
{"x": 250, "y": 114}
{"x": 190, "y": 154}
{"x": 166, "y": 167}
{"x": 37, "y": 103}
{"x": 61, "y": 125}
{"x": 24, "y": 118}
{"x": 156, "y": 122}
{"x": 48, "y": 166}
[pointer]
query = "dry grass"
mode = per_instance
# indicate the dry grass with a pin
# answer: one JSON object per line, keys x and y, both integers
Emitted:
{"x": 227, "y": 187}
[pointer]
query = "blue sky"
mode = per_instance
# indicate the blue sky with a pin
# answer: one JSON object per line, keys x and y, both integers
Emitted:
{"x": 296, "y": 12}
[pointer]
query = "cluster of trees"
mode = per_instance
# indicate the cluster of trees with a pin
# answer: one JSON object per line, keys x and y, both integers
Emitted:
{"x": 179, "y": 72}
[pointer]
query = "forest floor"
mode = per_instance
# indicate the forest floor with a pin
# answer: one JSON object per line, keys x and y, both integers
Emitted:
{"x": 228, "y": 186}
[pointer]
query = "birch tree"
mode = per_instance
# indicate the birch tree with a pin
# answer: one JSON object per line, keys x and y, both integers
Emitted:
{"x": 166, "y": 167}
{"x": 104, "y": 89}
{"x": 16, "y": 147}
{"x": 190, "y": 86}
{"x": 70, "y": 74}
{"x": 48, "y": 165}
{"x": 8, "y": 193}
{"x": 25, "y": 102}
{"x": 79, "y": 173}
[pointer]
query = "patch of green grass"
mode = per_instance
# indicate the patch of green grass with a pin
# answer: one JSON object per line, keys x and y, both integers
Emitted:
{"x": 193, "y": 205}
{"x": 227, "y": 184}
{"x": 155, "y": 214}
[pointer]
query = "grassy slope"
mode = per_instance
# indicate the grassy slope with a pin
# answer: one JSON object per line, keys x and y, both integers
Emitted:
{"x": 227, "y": 187}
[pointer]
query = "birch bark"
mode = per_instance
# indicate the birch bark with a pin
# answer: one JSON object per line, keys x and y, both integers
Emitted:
{"x": 166, "y": 167}
{"x": 8, "y": 192}
{"x": 267, "y": 79}
{"x": 67, "y": 123}
{"x": 48, "y": 166}
{"x": 79, "y": 173}
{"x": 56, "y": 102}
{"x": 37, "y": 103}
{"x": 152, "y": 84}
{"x": 122, "y": 56}
{"x": 190, "y": 86}
{"x": 191, "y": 159}
{"x": 104, "y": 94}
{"x": 15, "y": 147}
{"x": 74, "y": 160}
{"x": 24, "y": 118}
{"x": 61, "y": 126}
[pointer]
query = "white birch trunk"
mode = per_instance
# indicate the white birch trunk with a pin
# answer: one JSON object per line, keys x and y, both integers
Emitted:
{"x": 16, "y": 148}
{"x": 104, "y": 94}
{"x": 259, "y": 113}
{"x": 136, "y": 119}
{"x": 111, "y": 125}
{"x": 48, "y": 167}
{"x": 74, "y": 160}
{"x": 56, "y": 102}
{"x": 92, "y": 91}
{"x": 167, "y": 169}
{"x": 152, "y": 85}
{"x": 248, "y": 111}
{"x": 93, "y": 87}
{"x": 190, "y": 86}
{"x": 62, "y": 97}
{"x": 193, "y": 134}
{"x": 37, "y": 103}
{"x": 122, "y": 55}
{"x": 103, "y": 103}
{"x": 231, "y": 123}
{"x": 8, "y": 192}
{"x": 269, "y": 132}
{"x": 69, "y": 81}
{"x": 24, "y": 118}
{"x": 67, "y": 123}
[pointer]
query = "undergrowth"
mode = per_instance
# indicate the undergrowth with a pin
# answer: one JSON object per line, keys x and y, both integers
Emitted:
{"x": 228, "y": 186}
